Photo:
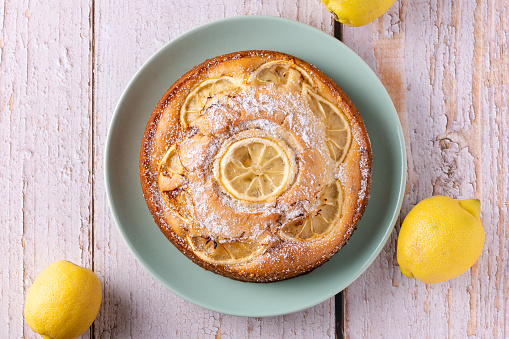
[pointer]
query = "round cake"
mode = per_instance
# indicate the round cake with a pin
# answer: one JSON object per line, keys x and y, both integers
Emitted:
{"x": 256, "y": 166}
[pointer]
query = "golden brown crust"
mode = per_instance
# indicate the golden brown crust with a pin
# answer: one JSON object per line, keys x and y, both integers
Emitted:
{"x": 282, "y": 259}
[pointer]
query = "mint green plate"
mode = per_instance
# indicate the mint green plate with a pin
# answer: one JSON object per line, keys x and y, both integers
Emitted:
{"x": 165, "y": 262}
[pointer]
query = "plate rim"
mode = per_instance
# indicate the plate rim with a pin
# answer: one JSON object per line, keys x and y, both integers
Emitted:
{"x": 113, "y": 208}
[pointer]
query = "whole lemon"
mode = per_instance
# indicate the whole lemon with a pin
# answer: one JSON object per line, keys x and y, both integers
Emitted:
{"x": 357, "y": 12}
{"x": 63, "y": 301}
{"x": 440, "y": 239}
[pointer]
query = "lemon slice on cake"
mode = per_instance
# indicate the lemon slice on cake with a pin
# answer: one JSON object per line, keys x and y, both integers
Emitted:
{"x": 339, "y": 136}
{"x": 170, "y": 170}
{"x": 280, "y": 73}
{"x": 255, "y": 169}
{"x": 171, "y": 177}
{"x": 225, "y": 252}
{"x": 320, "y": 222}
{"x": 197, "y": 99}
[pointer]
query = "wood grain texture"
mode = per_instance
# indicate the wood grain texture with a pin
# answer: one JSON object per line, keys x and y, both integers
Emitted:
{"x": 135, "y": 305}
{"x": 445, "y": 65}
{"x": 63, "y": 66}
{"x": 45, "y": 191}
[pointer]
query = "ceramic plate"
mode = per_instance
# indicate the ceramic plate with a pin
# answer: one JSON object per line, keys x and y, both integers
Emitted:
{"x": 165, "y": 262}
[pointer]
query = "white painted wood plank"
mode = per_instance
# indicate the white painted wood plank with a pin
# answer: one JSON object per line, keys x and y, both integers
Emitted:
{"x": 11, "y": 198}
{"x": 135, "y": 305}
{"x": 489, "y": 298}
{"x": 45, "y": 125}
{"x": 445, "y": 65}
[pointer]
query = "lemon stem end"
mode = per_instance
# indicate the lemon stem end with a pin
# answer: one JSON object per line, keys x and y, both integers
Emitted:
{"x": 472, "y": 206}
{"x": 406, "y": 273}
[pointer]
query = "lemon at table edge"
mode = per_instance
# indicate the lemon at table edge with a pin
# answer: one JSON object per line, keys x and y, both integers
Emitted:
{"x": 357, "y": 13}
{"x": 63, "y": 301}
{"x": 440, "y": 239}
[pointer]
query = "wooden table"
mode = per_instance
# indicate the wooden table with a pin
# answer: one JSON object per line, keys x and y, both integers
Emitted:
{"x": 64, "y": 65}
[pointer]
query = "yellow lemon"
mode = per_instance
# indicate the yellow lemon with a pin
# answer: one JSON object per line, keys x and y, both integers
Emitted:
{"x": 357, "y": 12}
{"x": 63, "y": 301}
{"x": 440, "y": 239}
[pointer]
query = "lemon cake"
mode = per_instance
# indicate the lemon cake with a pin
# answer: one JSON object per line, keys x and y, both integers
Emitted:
{"x": 256, "y": 166}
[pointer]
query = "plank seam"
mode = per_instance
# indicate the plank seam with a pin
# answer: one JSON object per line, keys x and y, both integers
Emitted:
{"x": 338, "y": 30}
{"x": 92, "y": 139}
{"x": 339, "y": 299}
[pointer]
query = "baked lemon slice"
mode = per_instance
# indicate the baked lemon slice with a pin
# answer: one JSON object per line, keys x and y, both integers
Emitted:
{"x": 178, "y": 201}
{"x": 320, "y": 222}
{"x": 170, "y": 162}
{"x": 280, "y": 73}
{"x": 170, "y": 170}
{"x": 227, "y": 252}
{"x": 170, "y": 179}
{"x": 254, "y": 169}
{"x": 339, "y": 136}
{"x": 197, "y": 99}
